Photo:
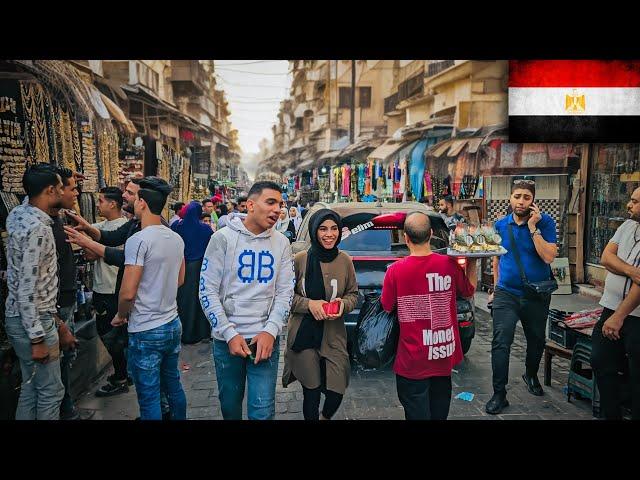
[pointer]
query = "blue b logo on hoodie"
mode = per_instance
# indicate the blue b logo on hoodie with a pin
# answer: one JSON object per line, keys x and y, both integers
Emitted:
{"x": 247, "y": 266}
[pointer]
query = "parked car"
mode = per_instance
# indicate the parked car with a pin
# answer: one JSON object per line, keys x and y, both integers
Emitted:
{"x": 372, "y": 251}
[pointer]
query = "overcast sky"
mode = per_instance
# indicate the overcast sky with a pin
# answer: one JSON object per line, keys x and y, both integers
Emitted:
{"x": 254, "y": 89}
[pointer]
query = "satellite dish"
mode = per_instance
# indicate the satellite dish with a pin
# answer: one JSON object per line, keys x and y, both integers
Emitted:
{"x": 138, "y": 142}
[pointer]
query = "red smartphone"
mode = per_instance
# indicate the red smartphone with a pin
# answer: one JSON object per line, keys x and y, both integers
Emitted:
{"x": 331, "y": 308}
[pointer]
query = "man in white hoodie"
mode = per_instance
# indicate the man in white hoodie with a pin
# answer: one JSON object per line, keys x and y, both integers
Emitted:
{"x": 246, "y": 288}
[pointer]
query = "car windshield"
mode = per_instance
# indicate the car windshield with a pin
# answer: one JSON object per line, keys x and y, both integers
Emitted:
{"x": 373, "y": 240}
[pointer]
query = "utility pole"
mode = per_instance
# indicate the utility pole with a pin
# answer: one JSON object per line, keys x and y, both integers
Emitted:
{"x": 352, "y": 123}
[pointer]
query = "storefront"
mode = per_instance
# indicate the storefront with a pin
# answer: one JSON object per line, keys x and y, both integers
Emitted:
{"x": 48, "y": 114}
{"x": 614, "y": 175}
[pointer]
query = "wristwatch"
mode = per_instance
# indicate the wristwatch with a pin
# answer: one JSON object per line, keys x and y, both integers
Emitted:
{"x": 536, "y": 232}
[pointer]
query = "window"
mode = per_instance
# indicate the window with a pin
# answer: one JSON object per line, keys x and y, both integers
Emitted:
{"x": 345, "y": 97}
{"x": 299, "y": 125}
{"x": 365, "y": 97}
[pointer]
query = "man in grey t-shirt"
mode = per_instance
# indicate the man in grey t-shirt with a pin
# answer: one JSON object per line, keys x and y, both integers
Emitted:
{"x": 616, "y": 336}
{"x": 154, "y": 269}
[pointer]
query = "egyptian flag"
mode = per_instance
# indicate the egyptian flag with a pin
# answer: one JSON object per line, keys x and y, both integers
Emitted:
{"x": 574, "y": 101}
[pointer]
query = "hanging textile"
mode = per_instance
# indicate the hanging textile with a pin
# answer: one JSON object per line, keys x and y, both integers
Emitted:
{"x": 428, "y": 187}
{"x": 354, "y": 184}
{"x": 346, "y": 180}
{"x": 403, "y": 175}
{"x": 388, "y": 190}
{"x": 418, "y": 166}
{"x": 361, "y": 178}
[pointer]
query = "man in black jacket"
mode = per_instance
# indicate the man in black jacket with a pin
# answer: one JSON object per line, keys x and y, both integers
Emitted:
{"x": 103, "y": 244}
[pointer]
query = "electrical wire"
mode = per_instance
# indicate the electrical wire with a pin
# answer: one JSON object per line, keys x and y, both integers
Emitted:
{"x": 251, "y": 73}
{"x": 249, "y": 63}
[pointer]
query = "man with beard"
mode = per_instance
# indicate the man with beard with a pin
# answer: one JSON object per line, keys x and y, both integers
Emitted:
{"x": 533, "y": 235}
{"x": 616, "y": 336}
{"x": 104, "y": 245}
{"x": 67, "y": 301}
{"x": 447, "y": 212}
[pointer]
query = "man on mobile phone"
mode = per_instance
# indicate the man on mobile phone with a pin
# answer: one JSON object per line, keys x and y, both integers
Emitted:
{"x": 530, "y": 239}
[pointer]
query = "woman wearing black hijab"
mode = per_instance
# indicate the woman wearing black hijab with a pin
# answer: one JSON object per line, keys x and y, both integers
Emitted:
{"x": 316, "y": 352}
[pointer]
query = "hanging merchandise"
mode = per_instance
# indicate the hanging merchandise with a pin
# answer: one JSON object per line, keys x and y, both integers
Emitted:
{"x": 332, "y": 180}
{"x": 418, "y": 167}
{"x": 361, "y": 178}
{"x": 480, "y": 188}
{"x": 403, "y": 176}
{"x": 12, "y": 147}
{"x": 446, "y": 186}
{"x": 346, "y": 180}
{"x": 428, "y": 186}
{"x": 354, "y": 184}
{"x": 89, "y": 164}
{"x": 33, "y": 104}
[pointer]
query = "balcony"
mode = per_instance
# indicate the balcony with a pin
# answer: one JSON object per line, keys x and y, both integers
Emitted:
{"x": 188, "y": 77}
{"x": 390, "y": 103}
{"x": 410, "y": 87}
{"x": 437, "y": 67}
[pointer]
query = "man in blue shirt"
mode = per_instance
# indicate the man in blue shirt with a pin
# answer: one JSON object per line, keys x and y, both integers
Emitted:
{"x": 535, "y": 239}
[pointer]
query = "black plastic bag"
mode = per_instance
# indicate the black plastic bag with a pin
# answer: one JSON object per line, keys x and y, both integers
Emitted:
{"x": 376, "y": 334}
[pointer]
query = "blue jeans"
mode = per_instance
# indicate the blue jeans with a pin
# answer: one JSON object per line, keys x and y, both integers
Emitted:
{"x": 42, "y": 390}
{"x": 67, "y": 315}
{"x": 153, "y": 359}
{"x": 231, "y": 372}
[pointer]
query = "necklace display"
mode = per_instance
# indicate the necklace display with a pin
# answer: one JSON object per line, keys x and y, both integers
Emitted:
{"x": 33, "y": 105}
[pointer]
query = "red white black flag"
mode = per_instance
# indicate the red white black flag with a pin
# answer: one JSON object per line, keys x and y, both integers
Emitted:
{"x": 574, "y": 101}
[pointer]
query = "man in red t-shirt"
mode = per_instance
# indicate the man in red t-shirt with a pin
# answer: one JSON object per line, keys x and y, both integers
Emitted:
{"x": 424, "y": 287}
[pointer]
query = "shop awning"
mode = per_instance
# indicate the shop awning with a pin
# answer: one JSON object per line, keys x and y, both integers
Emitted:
{"x": 305, "y": 165}
{"x": 363, "y": 144}
{"x": 471, "y": 138}
{"x": 388, "y": 148}
{"x": 328, "y": 155}
{"x": 118, "y": 115}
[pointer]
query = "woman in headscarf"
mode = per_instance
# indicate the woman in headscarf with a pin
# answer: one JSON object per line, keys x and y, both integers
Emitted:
{"x": 316, "y": 352}
{"x": 223, "y": 216}
{"x": 196, "y": 235}
{"x": 296, "y": 218}
{"x": 285, "y": 226}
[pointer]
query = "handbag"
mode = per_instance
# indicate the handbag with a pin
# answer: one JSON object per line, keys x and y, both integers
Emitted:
{"x": 532, "y": 290}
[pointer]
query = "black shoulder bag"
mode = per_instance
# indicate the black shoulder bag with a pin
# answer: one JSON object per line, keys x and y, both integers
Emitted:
{"x": 532, "y": 290}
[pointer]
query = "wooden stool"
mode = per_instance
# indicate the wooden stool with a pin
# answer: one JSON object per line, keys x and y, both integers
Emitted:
{"x": 551, "y": 349}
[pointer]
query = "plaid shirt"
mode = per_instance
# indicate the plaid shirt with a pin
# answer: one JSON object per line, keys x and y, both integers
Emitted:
{"x": 32, "y": 267}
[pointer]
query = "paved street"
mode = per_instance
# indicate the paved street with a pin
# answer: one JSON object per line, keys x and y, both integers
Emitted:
{"x": 372, "y": 394}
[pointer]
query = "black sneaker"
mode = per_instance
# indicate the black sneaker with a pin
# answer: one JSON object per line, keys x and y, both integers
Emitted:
{"x": 497, "y": 403}
{"x": 112, "y": 379}
{"x": 533, "y": 385}
{"x": 110, "y": 389}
